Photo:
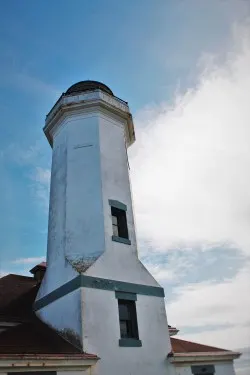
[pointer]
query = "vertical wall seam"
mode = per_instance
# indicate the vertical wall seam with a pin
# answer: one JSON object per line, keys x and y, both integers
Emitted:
{"x": 101, "y": 184}
{"x": 65, "y": 195}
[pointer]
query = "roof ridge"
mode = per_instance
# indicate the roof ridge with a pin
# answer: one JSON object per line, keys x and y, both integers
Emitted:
{"x": 201, "y": 345}
{"x": 17, "y": 275}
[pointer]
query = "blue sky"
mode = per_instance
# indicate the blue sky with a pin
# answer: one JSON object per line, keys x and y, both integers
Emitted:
{"x": 142, "y": 51}
{"x": 169, "y": 60}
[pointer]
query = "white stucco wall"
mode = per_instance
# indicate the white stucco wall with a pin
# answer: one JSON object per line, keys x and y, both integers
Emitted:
{"x": 119, "y": 261}
{"x": 65, "y": 316}
{"x": 101, "y": 334}
{"x": 76, "y": 226}
{"x": 221, "y": 368}
{"x": 226, "y": 368}
{"x": 89, "y": 167}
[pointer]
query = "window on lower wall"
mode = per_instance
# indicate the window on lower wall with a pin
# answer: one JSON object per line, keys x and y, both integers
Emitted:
{"x": 128, "y": 319}
{"x": 33, "y": 373}
{"x": 203, "y": 370}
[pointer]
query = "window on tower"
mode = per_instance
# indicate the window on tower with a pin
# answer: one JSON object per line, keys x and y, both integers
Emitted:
{"x": 119, "y": 222}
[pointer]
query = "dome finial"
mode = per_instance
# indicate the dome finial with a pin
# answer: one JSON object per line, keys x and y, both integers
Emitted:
{"x": 88, "y": 86}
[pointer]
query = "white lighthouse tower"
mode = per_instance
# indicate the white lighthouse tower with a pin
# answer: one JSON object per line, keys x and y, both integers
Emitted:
{"x": 96, "y": 292}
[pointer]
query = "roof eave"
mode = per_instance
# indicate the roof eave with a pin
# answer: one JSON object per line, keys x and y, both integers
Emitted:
{"x": 203, "y": 356}
{"x": 49, "y": 361}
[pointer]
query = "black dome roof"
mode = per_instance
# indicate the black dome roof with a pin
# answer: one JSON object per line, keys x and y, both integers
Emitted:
{"x": 88, "y": 86}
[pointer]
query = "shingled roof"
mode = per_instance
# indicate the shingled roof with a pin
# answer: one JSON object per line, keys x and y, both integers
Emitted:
{"x": 27, "y": 335}
{"x": 182, "y": 346}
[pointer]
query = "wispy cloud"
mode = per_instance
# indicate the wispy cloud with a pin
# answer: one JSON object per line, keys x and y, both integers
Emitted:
{"x": 26, "y": 82}
{"x": 40, "y": 186}
{"x": 203, "y": 304}
{"x": 42, "y": 175}
{"x": 34, "y": 260}
{"x": 242, "y": 365}
{"x": 36, "y": 164}
{"x": 35, "y": 85}
{"x": 191, "y": 184}
{"x": 190, "y": 164}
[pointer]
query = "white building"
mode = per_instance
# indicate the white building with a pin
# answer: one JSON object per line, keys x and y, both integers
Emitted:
{"x": 96, "y": 296}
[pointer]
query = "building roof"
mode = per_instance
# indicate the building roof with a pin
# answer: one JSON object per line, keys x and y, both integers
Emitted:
{"x": 88, "y": 86}
{"x": 23, "y": 333}
{"x": 42, "y": 265}
{"x": 34, "y": 337}
{"x": 191, "y": 352}
{"x": 26, "y": 333}
{"x": 17, "y": 294}
{"x": 182, "y": 346}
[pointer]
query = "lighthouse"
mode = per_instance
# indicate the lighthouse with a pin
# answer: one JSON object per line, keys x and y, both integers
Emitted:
{"x": 96, "y": 293}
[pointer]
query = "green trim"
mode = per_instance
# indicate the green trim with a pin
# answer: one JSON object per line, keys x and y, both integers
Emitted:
{"x": 98, "y": 283}
{"x": 126, "y": 295}
{"x": 117, "y": 204}
{"x": 62, "y": 291}
{"x": 130, "y": 343}
{"x": 121, "y": 240}
{"x": 121, "y": 286}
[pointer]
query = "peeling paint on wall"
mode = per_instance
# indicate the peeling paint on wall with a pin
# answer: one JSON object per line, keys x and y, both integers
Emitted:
{"x": 80, "y": 263}
{"x": 71, "y": 336}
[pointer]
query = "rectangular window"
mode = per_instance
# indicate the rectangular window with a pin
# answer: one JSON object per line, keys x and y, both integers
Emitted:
{"x": 128, "y": 319}
{"x": 119, "y": 222}
{"x": 203, "y": 370}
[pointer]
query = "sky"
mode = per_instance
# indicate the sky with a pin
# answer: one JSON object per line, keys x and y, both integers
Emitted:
{"x": 183, "y": 66}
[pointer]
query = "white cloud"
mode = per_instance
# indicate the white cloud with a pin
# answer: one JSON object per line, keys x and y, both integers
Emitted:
{"x": 209, "y": 304}
{"x": 190, "y": 165}
{"x": 42, "y": 175}
{"x": 190, "y": 170}
{"x": 40, "y": 186}
{"x": 35, "y": 260}
{"x": 242, "y": 366}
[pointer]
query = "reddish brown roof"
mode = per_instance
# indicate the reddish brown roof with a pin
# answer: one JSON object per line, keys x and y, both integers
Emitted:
{"x": 17, "y": 294}
{"x": 42, "y": 265}
{"x": 34, "y": 337}
{"x": 182, "y": 346}
{"x": 31, "y": 336}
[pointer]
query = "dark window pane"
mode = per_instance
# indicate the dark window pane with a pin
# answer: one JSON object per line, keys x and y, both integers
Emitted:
{"x": 119, "y": 220}
{"x": 124, "y": 329}
{"x": 128, "y": 319}
{"x": 123, "y": 229}
{"x": 123, "y": 311}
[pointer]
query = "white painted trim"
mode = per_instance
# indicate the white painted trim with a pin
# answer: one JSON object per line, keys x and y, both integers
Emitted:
{"x": 202, "y": 357}
{"x": 44, "y": 363}
{"x": 69, "y": 117}
{"x": 96, "y": 94}
{"x": 97, "y": 100}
